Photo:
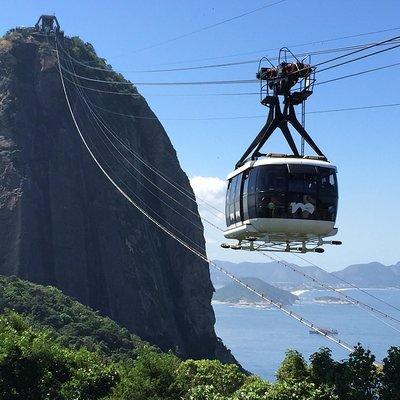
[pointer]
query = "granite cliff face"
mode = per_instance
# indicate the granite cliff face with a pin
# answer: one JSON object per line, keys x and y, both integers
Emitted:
{"x": 62, "y": 223}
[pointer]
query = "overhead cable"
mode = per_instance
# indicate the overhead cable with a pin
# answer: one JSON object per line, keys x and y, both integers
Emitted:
{"x": 205, "y": 28}
{"x": 133, "y": 116}
{"x": 144, "y": 204}
{"x": 326, "y": 286}
{"x": 101, "y": 125}
{"x": 347, "y": 282}
{"x": 224, "y": 65}
{"x": 236, "y": 81}
{"x": 354, "y": 301}
{"x": 263, "y": 51}
{"x": 234, "y": 94}
{"x": 358, "y": 73}
{"x": 282, "y": 262}
{"x": 275, "y": 304}
{"x": 175, "y": 185}
{"x": 386, "y": 41}
{"x": 221, "y": 82}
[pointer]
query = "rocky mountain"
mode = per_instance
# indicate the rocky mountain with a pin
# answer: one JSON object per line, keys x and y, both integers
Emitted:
{"x": 64, "y": 224}
{"x": 235, "y": 293}
{"x": 365, "y": 275}
{"x": 373, "y": 274}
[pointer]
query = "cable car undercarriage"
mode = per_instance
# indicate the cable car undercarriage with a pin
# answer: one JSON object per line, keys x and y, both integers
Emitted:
{"x": 280, "y": 202}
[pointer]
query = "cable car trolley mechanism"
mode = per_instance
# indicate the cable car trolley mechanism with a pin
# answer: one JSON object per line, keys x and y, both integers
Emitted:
{"x": 282, "y": 202}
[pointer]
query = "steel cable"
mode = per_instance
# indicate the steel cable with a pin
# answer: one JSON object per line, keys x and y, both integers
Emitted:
{"x": 102, "y": 124}
{"x": 277, "y": 305}
{"x": 249, "y": 81}
{"x": 282, "y": 262}
{"x": 354, "y": 301}
{"x": 349, "y": 283}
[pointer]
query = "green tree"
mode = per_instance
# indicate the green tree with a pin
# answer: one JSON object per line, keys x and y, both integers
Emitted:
{"x": 323, "y": 367}
{"x": 301, "y": 390}
{"x": 341, "y": 380}
{"x": 293, "y": 368}
{"x": 204, "y": 392}
{"x": 151, "y": 376}
{"x": 253, "y": 389}
{"x": 390, "y": 379}
{"x": 34, "y": 367}
{"x": 92, "y": 378}
{"x": 27, "y": 377}
{"x": 361, "y": 375}
{"x": 225, "y": 379}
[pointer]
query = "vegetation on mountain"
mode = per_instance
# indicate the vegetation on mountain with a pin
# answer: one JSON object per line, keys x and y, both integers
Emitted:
{"x": 71, "y": 323}
{"x": 85, "y": 53}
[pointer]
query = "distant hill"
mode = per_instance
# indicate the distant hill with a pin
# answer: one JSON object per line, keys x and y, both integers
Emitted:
{"x": 270, "y": 272}
{"x": 234, "y": 293}
{"x": 373, "y": 274}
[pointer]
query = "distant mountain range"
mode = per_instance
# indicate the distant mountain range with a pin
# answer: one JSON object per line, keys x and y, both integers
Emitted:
{"x": 235, "y": 293}
{"x": 373, "y": 274}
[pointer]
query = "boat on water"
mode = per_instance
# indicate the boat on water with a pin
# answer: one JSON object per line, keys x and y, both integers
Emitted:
{"x": 325, "y": 331}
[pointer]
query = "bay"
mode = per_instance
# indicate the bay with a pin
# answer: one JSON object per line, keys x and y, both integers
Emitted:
{"x": 258, "y": 338}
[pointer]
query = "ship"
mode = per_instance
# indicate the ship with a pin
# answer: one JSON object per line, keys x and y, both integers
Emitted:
{"x": 324, "y": 331}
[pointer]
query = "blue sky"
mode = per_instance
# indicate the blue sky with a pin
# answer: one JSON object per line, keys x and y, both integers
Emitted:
{"x": 363, "y": 144}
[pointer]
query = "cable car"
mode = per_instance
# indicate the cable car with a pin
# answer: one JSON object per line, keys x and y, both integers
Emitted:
{"x": 282, "y": 202}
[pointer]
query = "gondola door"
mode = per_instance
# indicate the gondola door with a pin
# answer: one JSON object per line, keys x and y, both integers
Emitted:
{"x": 244, "y": 208}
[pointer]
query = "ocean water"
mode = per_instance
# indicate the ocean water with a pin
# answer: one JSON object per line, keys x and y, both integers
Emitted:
{"x": 258, "y": 338}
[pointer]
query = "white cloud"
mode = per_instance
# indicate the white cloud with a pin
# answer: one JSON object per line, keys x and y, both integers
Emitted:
{"x": 210, "y": 195}
{"x": 210, "y": 189}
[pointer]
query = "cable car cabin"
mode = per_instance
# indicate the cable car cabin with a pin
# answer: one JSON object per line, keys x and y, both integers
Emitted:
{"x": 282, "y": 203}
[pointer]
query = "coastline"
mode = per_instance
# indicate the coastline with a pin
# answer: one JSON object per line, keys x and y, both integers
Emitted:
{"x": 244, "y": 304}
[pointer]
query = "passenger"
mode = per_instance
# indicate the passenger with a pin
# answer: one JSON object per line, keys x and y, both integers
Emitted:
{"x": 263, "y": 207}
{"x": 296, "y": 207}
{"x": 311, "y": 185}
{"x": 327, "y": 186}
{"x": 271, "y": 207}
{"x": 267, "y": 207}
{"x": 308, "y": 206}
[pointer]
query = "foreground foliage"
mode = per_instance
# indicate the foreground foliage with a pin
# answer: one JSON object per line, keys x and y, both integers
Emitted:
{"x": 35, "y": 366}
{"x": 54, "y": 348}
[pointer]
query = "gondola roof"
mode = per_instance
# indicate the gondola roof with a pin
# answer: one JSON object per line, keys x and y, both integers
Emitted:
{"x": 279, "y": 160}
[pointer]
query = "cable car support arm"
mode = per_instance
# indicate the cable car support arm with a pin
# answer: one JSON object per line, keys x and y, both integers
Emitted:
{"x": 280, "y": 81}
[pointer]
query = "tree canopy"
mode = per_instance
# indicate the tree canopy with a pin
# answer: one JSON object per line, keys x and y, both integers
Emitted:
{"x": 54, "y": 348}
